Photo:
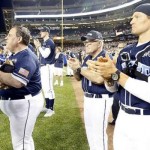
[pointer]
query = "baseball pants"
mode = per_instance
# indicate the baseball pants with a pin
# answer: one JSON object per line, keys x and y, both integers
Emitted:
{"x": 58, "y": 71}
{"x": 22, "y": 116}
{"x": 47, "y": 73}
{"x": 131, "y": 132}
{"x": 96, "y": 113}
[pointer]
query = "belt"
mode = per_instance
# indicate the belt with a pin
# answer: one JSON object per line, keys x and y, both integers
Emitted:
{"x": 12, "y": 98}
{"x": 135, "y": 111}
{"x": 91, "y": 95}
{"x": 15, "y": 97}
{"x": 43, "y": 65}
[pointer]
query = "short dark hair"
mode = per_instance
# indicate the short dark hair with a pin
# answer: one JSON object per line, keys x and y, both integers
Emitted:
{"x": 24, "y": 33}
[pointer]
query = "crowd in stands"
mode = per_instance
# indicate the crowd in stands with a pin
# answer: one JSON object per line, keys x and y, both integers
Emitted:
{"x": 111, "y": 47}
{"x": 75, "y": 34}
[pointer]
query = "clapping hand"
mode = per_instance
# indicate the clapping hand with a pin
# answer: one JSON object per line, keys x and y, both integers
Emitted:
{"x": 104, "y": 66}
{"x": 37, "y": 43}
{"x": 74, "y": 63}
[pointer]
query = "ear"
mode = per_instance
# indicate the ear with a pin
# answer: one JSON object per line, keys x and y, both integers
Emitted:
{"x": 19, "y": 39}
{"x": 99, "y": 44}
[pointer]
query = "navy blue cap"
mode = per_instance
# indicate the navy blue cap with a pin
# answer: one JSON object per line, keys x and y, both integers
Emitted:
{"x": 92, "y": 35}
{"x": 45, "y": 29}
{"x": 144, "y": 8}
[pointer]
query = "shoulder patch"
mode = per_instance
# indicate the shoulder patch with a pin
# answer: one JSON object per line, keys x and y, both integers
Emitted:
{"x": 23, "y": 72}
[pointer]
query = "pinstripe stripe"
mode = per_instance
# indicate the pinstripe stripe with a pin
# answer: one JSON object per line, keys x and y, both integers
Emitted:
{"x": 26, "y": 125}
{"x": 49, "y": 76}
{"x": 125, "y": 97}
{"x": 50, "y": 84}
{"x": 104, "y": 117}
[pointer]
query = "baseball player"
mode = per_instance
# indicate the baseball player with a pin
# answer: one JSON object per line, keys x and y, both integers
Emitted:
{"x": 59, "y": 63}
{"x": 133, "y": 76}
{"x": 69, "y": 54}
{"x": 47, "y": 59}
{"x": 22, "y": 101}
{"x": 97, "y": 100}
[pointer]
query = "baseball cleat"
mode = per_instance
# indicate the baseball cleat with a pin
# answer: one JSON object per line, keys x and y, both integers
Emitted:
{"x": 49, "y": 113}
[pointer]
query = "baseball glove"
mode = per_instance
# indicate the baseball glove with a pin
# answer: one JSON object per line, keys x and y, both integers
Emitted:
{"x": 7, "y": 67}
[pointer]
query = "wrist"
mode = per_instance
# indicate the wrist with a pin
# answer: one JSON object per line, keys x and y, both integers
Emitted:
{"x": 109, "y": 82}
{"x": 114, "y": 70}
{"x": 78, "y": 70}
{"x": 115, "y": 76}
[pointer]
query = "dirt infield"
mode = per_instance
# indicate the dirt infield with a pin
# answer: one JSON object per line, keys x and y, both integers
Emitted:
{"x": 79, "y": 97}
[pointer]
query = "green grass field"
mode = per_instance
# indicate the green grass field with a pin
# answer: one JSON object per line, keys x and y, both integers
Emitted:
{"x": 63, "y": 131}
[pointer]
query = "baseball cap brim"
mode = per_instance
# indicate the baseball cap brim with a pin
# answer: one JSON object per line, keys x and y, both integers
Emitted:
{"x": 84, "y": 38}
{"x": 44, "y": 29}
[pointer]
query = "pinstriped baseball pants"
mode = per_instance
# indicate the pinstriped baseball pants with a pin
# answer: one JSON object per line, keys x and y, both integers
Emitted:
{"x": 131, "y": 132}
{"x": 96, "y": 113}
{"x": 22, "y": 116}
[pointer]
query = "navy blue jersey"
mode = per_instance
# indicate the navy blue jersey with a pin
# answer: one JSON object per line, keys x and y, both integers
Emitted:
{"x": 87, "y": 85}
{"x": 51, "y": 58}
{"x": 26, "y": 70}
{"x": 32, "y": 48}
{"x": 59, "y": 62}
{"x": 143, "y": 67}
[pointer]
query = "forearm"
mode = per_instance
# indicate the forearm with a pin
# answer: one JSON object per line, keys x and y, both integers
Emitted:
{"x": 77, "y": 75}
{"x": 138, "y": 88}
{"x": 112, "y": 86}
{"x": 6, "y": 78}
{"x": 44, "y": 51}
{"x": 123, "y": 79}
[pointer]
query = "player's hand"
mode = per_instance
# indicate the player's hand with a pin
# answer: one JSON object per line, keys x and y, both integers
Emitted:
{"x": 102, "y": 59}
{"x": 91, "y": 64}
{"x": 37, "y": 43}
{"x": 74, "y": 63}
{"x": 104, "y": 66}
